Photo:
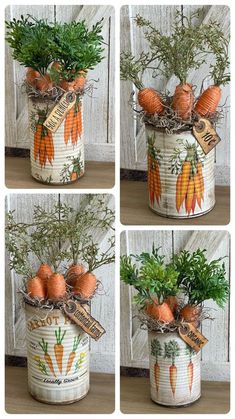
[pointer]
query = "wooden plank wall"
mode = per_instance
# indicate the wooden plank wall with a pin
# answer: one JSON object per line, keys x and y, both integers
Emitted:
{"x": 134, "y": 347}
{"x": 133, "y": 148}
{"x": 103, "y": 351}
{"x": 98, "y": 110}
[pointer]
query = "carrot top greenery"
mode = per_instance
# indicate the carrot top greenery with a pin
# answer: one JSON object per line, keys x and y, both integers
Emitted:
{"x": 36, "y": 43}
{"x": 187, "y": 273}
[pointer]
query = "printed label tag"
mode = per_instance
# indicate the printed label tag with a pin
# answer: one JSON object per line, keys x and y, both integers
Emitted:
{"x": 82, "y": 318}
{"x": 205, "y": 135}
{"x": 59, "y": 112}
{"x": 192, "y": 336}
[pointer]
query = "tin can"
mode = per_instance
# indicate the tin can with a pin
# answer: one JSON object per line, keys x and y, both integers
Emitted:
{"x": 56, "y": 158}
{"x": 180, "y": 176}
{"x": 58, "y": 357}
{"x": 175, "y": 370}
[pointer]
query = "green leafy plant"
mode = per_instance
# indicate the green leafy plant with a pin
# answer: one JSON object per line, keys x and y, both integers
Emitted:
{"x": 37, "y": 43}
{"x": 153, "y": 278}
{"x": 201, "y": 280}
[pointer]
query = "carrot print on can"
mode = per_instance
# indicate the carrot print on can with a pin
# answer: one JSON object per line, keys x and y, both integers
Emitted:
{"x": 175, "y": 371}
{"x": 181, "y": 180}
{"x": 58, "y": 357}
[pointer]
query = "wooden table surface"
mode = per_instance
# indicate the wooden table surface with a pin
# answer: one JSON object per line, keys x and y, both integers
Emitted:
{"x": 100, "y": 398}
{"x": 135, "y": 210}
{"x": 97, "y": 175}
{"x": 135, "y": 398}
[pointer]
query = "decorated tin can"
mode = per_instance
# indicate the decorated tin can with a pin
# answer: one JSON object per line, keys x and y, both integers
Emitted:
{"x": 175, "y": 370}
{"x": 56, "y": 158}
{"x": 180, "y": 176}
{"x": 58, "y": 357}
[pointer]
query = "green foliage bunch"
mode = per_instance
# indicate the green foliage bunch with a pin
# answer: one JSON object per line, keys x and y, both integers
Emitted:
{"x": 62, "y": 235}
{"x": 201, "y": 280}
{"x": 152, "y": 278}
{"x": 37, "y": 43}
{"x": 185, "y": 49}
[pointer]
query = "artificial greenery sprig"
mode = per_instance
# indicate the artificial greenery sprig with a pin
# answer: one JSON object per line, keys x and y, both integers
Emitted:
{"x": 152, "y": 278}
{"x": 201, "y": 280}
{"x": 36, "y": 43}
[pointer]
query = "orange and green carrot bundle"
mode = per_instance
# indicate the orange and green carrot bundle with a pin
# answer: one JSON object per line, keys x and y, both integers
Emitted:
{"x": 72, "y": 355}
{"x": 73, "y": 123}
{"x": 44, "y": 346}
{"x": 43, "y": 141}
{"x": 183, "y": 100}
{"x": 59, "y": 348}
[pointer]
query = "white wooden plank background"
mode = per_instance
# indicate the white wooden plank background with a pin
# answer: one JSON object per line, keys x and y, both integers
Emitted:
{"x": 134, "y": 346}
{"x": 133, "y": 148}
{"x": 103, "y": 305}
{"x": 99, "y": 111}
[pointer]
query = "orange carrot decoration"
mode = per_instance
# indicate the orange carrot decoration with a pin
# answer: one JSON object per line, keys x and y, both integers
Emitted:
{"x": 190, "y": 352}
{"x": 189, "y": 181}
{"x": 172, "y": 350}
{"x": 85, "y": 285}
{"x": 36, "y": 288}
{"x": 44, "y": 272}
{"x": 44, "y": 346}
{"x": 161, "y": 312}
{"x": 154, "y": 179}
{"x": 183, "y": 100}
{"x": 156, "y": 351}
{"x": 150, "y": 100}
{"x": 190, "y": 314}
{"x": 43, "y": 141}
{"x": 56, "y": 286}
{"x": 73, "y": 273}
{"x": 76, "y": 341}
{"x": 59, "y": 348}
{"x": 73, "y": 123}
{"x": 208, "y": 101}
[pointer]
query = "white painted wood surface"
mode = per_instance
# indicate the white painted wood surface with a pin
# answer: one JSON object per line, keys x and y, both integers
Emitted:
{"x": 99, "y": 110}
{"x": 134, "y": 340}
{"x": 133, "y": 148}
{"x": 103, "y": 305}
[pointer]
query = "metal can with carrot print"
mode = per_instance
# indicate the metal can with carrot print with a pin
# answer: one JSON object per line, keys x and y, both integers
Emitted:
{"x": 56, "y": 157}
{"x": 175, "y": 370}
{"x": 180, "y": 176}
{"x": 58, "y": 357}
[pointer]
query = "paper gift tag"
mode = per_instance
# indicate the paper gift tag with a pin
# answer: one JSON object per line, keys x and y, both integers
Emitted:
{"x": 82, "y": 318}
{"x": 59, "y": 112}
{"x": 192, "y": 336}
{"x": 205, "y": 135}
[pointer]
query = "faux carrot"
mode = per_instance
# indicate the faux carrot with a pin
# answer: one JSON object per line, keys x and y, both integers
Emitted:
{"x": 190, "y": 313}
{"x": 59, "y": 348}
{"x": 183, "y": 100}
{"x": 150, "y": 100}
{"x": 160, "y": 312}
{"x": 85, "y": 285}
{"x": 76, "y": 341}
{"x": 56, "y": 287}
{"x": 32, "y": 76}
{"x": 36, "y": 288}
{"x": 44, "y": 272}
{"x": 73, "y": 273}
{"x": 208, "y": 101}
{"x": 172, "y": 302}
{"x": 44, "y": 346}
